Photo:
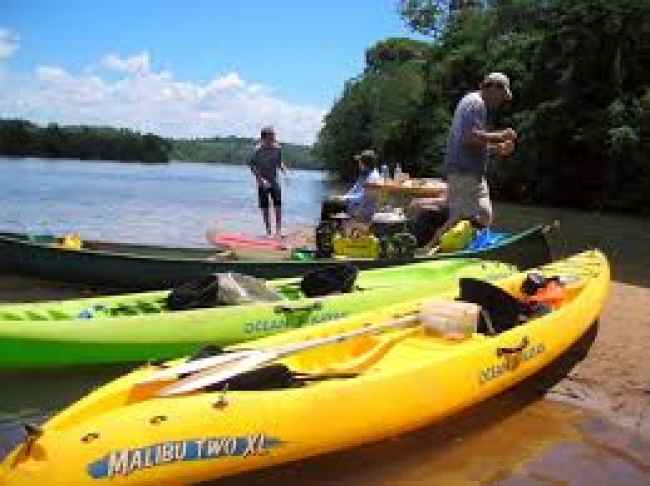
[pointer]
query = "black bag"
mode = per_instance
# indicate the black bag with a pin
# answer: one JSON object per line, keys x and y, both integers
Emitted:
{"x": 272, "y": 377}
{"x": 327, "y": 280}
{"x": 194, "y": 295}
{"x": 332, "y": 206}
{"x": 427, "y": 221}
{"x": 220, "y": 289}
{"x": 324, "y": 237}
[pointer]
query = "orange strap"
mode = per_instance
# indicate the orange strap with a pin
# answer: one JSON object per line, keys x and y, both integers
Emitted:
{"x": 551, "y": 294}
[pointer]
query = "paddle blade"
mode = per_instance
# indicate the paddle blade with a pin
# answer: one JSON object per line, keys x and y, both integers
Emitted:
{"x": 223, "y": 371}
{"x": 218, "y": 374}
{"x": 198, "y": 365}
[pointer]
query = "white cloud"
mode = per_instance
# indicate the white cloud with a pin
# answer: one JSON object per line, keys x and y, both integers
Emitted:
{"x": 8, "y": 43}
{"x": 51, "y": 73}
{"x": 150, "y": 101}
{"x": 138, "y": 64}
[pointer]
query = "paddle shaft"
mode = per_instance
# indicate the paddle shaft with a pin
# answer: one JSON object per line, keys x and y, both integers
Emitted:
{"x": 233, "y": 368}
{"x": 226, "y": 359}
{"x": 282, "y": 351}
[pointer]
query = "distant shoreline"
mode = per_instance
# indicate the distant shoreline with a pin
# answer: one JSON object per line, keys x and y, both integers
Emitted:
{"x": 145, "y": 162}
{"x": 23, "y": 138}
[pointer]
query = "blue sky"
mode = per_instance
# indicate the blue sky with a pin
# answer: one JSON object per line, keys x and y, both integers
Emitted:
{"x": 186, "y": 68}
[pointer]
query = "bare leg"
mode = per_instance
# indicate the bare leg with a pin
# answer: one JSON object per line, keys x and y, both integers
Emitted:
{"x": 278, "y": 221}
{"x": 267, "y": 222}
{"x": 484, "y": 215}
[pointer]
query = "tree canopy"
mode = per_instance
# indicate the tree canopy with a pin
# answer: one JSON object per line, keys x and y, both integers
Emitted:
{"x": 580, "y": 71}
{"x": 236, "y": 150}
{"x": 21, "y": 138}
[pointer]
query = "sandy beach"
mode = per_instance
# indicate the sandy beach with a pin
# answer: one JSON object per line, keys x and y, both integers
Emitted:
{"x": 614, "y": 378}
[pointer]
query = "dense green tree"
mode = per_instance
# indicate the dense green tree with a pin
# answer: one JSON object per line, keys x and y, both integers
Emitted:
{"x": 376, "y": 109}
{"x": 20, "y": 138}
{"x": 235, "y": 150}
{"x": 581, "y": 77}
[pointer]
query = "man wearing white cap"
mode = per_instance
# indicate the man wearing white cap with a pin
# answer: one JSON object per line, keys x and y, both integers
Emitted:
{"x": 469, "y": 144}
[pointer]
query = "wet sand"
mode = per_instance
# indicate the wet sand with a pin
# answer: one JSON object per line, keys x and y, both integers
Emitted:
{"x": 503, "y": 442}
{"x": 614, "y": 378}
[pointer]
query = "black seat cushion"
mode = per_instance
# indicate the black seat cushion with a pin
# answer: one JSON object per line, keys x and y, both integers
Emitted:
{"x": 329, "y": 280}
{"x": 500, "y": 310}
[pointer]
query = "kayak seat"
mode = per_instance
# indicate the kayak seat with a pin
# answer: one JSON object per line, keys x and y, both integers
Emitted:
{"x": 383, "y": 345}
{"x": 500, "y": 311}
{"x": 333, "y": 358}
{"x": 329, "y": 280}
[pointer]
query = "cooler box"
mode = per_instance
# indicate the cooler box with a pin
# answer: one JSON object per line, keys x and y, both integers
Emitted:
{"x": 388, "y": 224}
{"x": 356, "y": 246}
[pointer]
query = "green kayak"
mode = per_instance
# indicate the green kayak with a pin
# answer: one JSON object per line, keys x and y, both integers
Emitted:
{"x": 136, "y": 268}
{"x": 139, "y": 327}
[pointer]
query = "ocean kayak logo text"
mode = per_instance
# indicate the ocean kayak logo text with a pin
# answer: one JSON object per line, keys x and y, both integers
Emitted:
{"x": 272, "y": 325}
{"x": 510, "y": 363}
{"x": 127, "y": 461}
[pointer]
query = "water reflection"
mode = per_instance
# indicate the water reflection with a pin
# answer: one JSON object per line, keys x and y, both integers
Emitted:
{"x": 624, "y": 239}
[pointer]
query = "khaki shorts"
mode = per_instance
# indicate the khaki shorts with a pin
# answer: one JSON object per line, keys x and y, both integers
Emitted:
{"x": 468, "y": 196}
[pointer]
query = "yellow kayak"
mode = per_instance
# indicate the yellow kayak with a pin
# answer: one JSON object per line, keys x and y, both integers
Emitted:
{"x": 317, "y": 389}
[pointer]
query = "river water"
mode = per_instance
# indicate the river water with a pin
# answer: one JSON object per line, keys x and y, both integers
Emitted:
{"x": 515, "y": 439}
{"x": 160, "y": 203}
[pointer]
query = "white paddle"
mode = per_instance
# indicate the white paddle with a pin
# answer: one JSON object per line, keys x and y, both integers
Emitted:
{"x": 438, "y": 315}
{"x": 198, "y": 365}
{"x": 231, "y": 368}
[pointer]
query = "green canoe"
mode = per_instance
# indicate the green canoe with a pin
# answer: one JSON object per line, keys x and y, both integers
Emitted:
{"x": 138, "y": 327}
{"x": 144, "y": 267}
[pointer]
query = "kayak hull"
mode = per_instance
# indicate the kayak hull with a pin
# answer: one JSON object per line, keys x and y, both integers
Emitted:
{"x": 249, "y": 247}
{"x": 139, "y": 267}
{"x": 419, "y": 379}
{"x": 51, "y": 334}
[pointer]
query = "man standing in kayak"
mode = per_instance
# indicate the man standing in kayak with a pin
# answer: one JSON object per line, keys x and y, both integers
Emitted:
{"x": 265, "y": 163}
{"x": 469, "y": 144}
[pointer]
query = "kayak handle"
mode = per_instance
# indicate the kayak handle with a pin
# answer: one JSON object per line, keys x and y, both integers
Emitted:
{"x": 288, "y": 308}
{"x": 89, "y": 437}
{"x": 501, "y": 351}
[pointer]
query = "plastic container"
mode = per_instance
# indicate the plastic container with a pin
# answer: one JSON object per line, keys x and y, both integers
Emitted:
{"x": 458, "y": 237}
{"x": 71, "y": 241}
{"x": 452, "y": 320}
{"x": 366, "y": 246}
{"x": 385, "y": 172}
{"x": 399, "y": 175}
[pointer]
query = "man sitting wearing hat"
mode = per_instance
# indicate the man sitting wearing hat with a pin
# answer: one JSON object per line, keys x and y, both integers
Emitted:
{"x": 360, "y": 204}
{"x": 468, "y": 145}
